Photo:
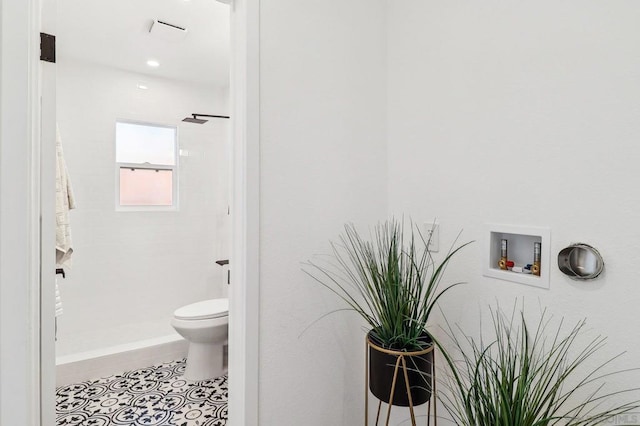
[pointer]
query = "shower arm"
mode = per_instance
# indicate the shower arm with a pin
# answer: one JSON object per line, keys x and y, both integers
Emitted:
{"x": 209, "y": 115}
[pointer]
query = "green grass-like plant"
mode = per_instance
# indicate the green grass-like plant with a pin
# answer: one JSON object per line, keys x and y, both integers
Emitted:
{"x": 529, "y": 377}
{"x": 391, "y": 280}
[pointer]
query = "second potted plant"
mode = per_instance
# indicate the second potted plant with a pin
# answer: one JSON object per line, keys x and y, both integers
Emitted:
{"x": 533, "y": 376}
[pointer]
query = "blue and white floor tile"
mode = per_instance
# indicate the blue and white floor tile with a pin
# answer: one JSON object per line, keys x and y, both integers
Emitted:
{"x": 153, "y": 396}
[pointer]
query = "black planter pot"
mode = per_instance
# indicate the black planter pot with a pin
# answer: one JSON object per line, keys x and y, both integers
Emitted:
{"x": 419, "y": 371}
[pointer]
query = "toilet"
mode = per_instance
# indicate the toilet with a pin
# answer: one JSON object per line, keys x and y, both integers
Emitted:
{"x": 205, "y": 326}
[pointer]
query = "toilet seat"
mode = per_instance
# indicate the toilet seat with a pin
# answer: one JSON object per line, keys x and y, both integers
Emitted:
{"x": 207, "y": 309}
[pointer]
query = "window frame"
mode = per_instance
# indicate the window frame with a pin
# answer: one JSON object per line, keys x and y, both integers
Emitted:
{"x": 147, "y": 166}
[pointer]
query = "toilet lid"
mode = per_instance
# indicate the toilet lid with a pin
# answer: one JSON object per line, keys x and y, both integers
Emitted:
{"x": 213, "y": 308}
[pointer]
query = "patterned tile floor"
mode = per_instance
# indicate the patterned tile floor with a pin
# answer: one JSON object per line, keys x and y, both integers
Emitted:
{"x": 153, "y": 396}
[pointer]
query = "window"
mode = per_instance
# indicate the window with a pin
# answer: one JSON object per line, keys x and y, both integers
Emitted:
{"x": 146, "y": 166}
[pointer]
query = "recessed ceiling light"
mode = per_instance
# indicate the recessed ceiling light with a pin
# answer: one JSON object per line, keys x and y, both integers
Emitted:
{"x": 153, "y": 63}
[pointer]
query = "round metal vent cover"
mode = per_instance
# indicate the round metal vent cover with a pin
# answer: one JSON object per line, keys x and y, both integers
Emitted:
{"x": 580, "y": 262}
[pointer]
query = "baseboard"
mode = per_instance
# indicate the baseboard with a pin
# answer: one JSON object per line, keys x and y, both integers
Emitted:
{"x": 101, "y": 363}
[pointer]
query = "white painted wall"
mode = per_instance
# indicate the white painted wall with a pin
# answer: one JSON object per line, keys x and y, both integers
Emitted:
{"x": 523, "y": 113}
{"x": 131, "y": 270}
{"x": 323, "y": 162}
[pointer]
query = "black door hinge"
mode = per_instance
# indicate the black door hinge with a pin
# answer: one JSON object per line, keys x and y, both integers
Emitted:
{"x": 47, "y": 47}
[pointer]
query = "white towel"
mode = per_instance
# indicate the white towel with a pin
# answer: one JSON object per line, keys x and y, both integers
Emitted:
{"x": 58, "y": 300}
{"x": 64, "y": 203}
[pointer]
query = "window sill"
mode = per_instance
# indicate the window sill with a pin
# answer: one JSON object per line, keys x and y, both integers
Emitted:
{"x": 120, "y": 209}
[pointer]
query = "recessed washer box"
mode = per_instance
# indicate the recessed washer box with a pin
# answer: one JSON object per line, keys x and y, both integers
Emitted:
{"x": 520, "y": 243}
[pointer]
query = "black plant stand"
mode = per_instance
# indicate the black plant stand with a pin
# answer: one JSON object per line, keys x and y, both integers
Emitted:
{"x": 401, "y": 366}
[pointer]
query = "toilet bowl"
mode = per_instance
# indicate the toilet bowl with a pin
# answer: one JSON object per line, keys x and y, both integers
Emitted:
{"x": 205, "y": 326}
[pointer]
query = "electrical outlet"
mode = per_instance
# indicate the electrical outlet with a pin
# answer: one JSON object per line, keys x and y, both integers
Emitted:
{"x": 432, "y": 234}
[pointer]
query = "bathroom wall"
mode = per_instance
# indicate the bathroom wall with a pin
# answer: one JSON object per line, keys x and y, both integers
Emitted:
{"x": 509, "y": 113}
{"x": 525, "y": 114}
{"x": 131, "y": 270}
{"x": 322, "y": 163}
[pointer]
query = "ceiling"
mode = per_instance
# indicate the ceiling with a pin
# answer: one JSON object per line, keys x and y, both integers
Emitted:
{"x": 116, "y": 33}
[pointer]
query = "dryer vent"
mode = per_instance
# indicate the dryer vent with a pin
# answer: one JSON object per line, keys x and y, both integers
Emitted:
{"x": 166, "y": 31}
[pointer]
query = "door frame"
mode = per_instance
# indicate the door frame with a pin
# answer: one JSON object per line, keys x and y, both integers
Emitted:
{"x": 26, "y": 344}
{"x": 244, "y": 291}
{"x": 20, "y": 361}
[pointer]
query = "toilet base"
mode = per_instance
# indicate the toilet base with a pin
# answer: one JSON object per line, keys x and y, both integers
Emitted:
{"x": 204, "y": 361}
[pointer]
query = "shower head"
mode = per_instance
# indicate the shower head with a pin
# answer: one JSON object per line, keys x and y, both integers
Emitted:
{"x": 194, "y": 118}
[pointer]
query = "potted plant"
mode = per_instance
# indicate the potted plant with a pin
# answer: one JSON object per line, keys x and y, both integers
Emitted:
{"x": 527, "y": 377}
{"x": 392, "y": 282}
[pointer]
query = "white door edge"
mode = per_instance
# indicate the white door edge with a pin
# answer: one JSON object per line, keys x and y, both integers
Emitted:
{"x": 46, "y": 196}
